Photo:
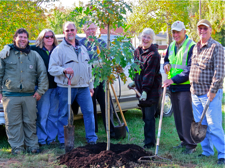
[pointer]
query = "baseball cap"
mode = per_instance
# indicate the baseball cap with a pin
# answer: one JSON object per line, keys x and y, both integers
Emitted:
{"x": 178, "y": 26}
{"x": 204, "y": 22}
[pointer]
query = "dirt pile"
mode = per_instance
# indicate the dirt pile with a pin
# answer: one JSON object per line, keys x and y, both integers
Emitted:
{"x": 97, "y": 156}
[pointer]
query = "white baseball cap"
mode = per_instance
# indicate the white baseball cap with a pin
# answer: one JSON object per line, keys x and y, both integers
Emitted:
{"x": 178, "y": 26}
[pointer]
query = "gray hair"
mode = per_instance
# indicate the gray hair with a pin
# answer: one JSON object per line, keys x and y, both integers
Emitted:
{"x": 88, "y": 23}
{"x": 148, "y": 31}
{"x": 68, "y": 23}
{"x": 40, "y": 40}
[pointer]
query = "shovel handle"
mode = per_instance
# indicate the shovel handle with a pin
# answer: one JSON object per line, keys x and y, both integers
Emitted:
{"x": 121, "y": 112}
{"x": 204, "y": 111}
{"x": 136, "y": 91}
{"x": 70, "y": 119}
{"x": 160, "y": 120}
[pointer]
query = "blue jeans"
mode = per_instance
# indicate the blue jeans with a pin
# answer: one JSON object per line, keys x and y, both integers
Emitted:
{"x": 83, "y": 98}
{"x": 213, "y": 119}
{"x": 47, "y": 117}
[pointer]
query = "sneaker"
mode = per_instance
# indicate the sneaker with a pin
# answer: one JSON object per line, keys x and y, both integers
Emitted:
{"x": 18, "y": 151}
{"x": 33, "y": 150}
{"x": 148, "y": 146}
{"x": 221, "y": 161}
{"x": 62, "y": 146}
{"x": 42, "y": 145}
{"x": 179, "y": 146}
{"x": 201, "y": 156}
{"x": 91, "y": 143}
{"x": 53, "y": 144}
{"x": 189, "y": 151}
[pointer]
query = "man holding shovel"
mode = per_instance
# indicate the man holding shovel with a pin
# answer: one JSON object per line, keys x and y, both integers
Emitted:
{"x": 206, "y": 78}
{"x": 71, "y": 58}
{"x": 177, "y": 65}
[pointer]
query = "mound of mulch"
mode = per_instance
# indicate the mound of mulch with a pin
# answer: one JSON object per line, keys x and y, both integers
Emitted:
{"x": 97, "y": 156}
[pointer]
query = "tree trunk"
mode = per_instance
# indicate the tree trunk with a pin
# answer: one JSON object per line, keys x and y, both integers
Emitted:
{"x": 107, "y": 105}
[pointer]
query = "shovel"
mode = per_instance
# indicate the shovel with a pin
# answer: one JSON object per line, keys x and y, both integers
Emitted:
{"x": 120, "y": 130}
{"x": 156, "y": 156}
{"x": 121, "y": 112}
{"x": 69, "y": 129}
{"x": 198, "y": 131}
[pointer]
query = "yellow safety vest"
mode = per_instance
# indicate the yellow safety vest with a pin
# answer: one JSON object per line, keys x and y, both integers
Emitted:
{"x": 179, "y": 61}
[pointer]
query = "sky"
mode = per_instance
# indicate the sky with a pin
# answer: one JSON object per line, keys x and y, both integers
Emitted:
{"x": 69, "y": 3}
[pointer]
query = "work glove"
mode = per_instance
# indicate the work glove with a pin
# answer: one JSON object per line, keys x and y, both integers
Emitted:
{"x": 143, "y": 96}
{"x": 5, "y": 52}
{"x": 130, "y": 85}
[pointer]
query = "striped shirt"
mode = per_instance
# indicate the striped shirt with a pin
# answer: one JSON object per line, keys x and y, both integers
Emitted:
{"x": 207, "y": 68}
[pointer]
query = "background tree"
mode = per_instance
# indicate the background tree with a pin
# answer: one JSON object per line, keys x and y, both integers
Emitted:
{"x": 214, "y": 11}
{"x": 158, "y": 15}
{"x": 20, "y": 14}
{"x": 59, "y": 15}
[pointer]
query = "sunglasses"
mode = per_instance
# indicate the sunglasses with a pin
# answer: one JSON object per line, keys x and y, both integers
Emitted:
{"x": 47, "y": 37}
{"x": 72, "y": 30}
{"x": 203, "y": 28}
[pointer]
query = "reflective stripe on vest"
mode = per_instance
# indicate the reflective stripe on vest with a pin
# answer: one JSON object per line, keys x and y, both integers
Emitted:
{"x": 178, "y": 61}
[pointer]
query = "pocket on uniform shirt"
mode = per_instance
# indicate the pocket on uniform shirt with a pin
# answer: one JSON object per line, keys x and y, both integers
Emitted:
{"x": 11, "y": 65}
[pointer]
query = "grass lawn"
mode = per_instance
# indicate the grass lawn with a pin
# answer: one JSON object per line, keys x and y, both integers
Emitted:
{"x": 169, "y": 138}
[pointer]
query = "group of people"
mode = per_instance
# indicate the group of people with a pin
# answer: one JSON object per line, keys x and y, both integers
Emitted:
{"x": 34, "y": 87}
{"x": 195, "y": 74}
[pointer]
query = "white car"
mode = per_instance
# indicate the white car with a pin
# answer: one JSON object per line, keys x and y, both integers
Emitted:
{"x": 127, "y": 97}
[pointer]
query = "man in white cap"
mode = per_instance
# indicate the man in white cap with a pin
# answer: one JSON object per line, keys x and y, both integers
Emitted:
{"x": 177, "y": 64}
{"x": 206, "y": 78}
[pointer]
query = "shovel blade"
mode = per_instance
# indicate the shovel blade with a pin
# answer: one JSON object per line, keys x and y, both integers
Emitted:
{"x": 69, "y": 137}
{"x": 120, "y": 131}
{"x": 198, "y": 133}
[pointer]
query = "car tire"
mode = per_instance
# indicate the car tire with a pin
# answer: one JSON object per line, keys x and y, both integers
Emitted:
{"x": 168, "y": 108}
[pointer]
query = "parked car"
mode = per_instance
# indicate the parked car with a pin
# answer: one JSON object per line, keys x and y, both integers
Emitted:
{"x": 126, "y": 96}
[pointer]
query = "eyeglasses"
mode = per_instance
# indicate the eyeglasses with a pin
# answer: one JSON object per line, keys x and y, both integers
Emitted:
{"x": 72, "y": 30}
{"x": 47, "y": 37}
{"x": 203, "y": 28}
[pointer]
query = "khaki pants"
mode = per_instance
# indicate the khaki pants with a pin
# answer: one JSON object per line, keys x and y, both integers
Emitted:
{"x": 20, "y": 121}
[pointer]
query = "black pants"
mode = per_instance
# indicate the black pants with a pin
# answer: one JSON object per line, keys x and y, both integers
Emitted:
{"x": 149, "y": 127}
{"x": 183, "y": 116}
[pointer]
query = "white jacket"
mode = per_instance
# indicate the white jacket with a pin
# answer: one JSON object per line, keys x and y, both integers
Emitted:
{"x": 64, "y": 56}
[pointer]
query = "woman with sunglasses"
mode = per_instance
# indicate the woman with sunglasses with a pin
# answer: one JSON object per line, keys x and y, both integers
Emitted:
{"x": 47, "y": 106}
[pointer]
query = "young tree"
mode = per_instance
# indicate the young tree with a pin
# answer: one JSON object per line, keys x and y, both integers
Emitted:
{"x": 17, "y": 14}
{"x": 117, "y": 55}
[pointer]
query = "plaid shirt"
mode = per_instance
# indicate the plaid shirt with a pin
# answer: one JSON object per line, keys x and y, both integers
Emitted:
{"x": 207, "y": 68}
